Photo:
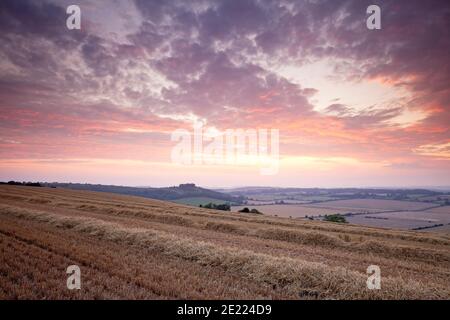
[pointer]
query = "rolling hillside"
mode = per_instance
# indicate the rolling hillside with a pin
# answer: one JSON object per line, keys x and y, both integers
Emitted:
{"x": 187, "y": 190}
{"x": 136, "y": 248}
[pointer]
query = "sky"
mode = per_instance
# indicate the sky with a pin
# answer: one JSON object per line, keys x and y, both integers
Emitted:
{"x": 353, "y": 107}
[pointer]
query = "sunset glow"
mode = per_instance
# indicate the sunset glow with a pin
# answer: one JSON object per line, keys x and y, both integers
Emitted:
{"x": 354, "y": 107}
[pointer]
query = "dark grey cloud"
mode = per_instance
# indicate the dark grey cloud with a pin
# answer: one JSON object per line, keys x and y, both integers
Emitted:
{"x": 41, "y": 19}
{"x": 98, "y": 57}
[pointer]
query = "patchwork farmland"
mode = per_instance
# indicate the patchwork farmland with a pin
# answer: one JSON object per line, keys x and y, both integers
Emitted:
{"x": 369, "y": 212}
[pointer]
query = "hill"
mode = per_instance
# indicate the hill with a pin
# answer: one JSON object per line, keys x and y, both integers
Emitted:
{"x": 187, "y": 190}
{"x": 136, "y": 248}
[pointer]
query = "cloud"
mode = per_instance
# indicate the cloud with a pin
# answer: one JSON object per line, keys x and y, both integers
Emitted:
{"x": 219, "y": 61}
{"x": 338, "y": 109}
{"x": 438, "y": 150}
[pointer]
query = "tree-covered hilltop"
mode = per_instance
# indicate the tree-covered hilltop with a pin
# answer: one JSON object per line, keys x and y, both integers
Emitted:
{"x": 166, "y": 193}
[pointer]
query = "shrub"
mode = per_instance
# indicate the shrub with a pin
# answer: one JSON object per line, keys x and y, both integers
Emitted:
{"x": 28, "y": 184}
{"x": 335, "y": 218}
{"x": 223, "y": 206}
{"x": 247, "y": 210}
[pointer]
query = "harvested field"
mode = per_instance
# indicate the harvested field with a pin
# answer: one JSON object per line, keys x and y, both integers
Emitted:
{"x": 136, "y": 248}
{"x": 394, "y": 214}
{"x": 441, "y": 210}
{"x": 375, "y": 204}
{"x": 295, "y": 210}
{"x": 400, "y": 219}
{"x": 443, "y": 229}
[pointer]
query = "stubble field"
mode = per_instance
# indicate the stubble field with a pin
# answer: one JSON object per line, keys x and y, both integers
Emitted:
{"x": 135, "y": 248}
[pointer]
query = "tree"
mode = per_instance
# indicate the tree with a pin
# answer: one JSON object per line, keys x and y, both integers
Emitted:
{"x": 223, "y": 206}
{"x": 335, "y": 218}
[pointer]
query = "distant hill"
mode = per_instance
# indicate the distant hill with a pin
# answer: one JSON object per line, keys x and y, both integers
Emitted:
{"x": 188, "y": 190}
{"x": 338, "y": 193}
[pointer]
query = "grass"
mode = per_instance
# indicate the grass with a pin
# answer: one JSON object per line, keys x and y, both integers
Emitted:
{"x": 196, "y": 201}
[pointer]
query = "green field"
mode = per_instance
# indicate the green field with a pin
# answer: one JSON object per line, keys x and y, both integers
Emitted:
{"x": 196, "y": 201}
